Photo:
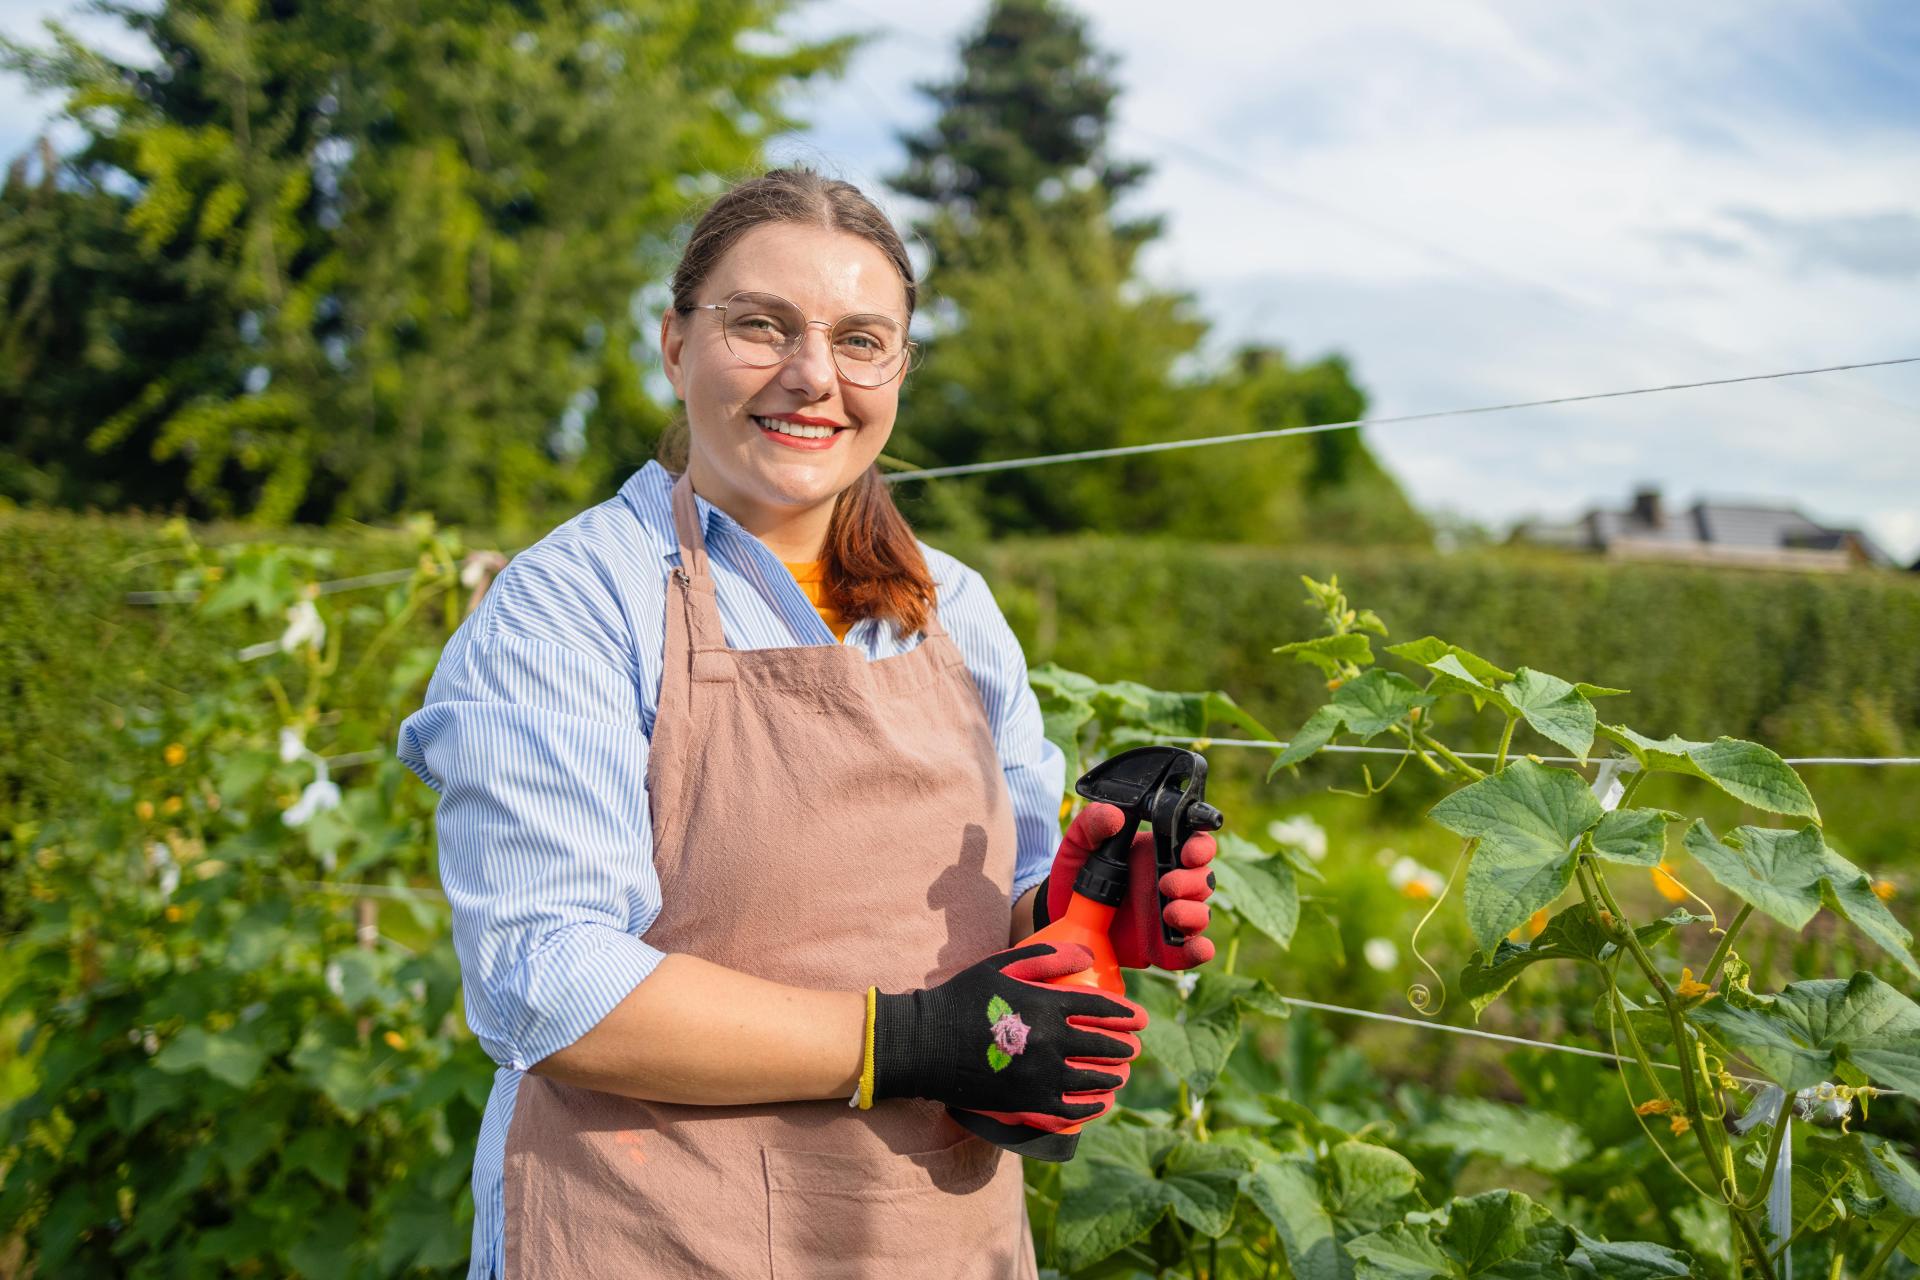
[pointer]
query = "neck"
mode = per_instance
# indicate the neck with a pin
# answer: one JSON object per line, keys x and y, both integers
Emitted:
{"x": 795, "y": 535}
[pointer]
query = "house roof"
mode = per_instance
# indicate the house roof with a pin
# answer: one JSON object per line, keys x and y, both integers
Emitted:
{"x": 1706, "y": 524}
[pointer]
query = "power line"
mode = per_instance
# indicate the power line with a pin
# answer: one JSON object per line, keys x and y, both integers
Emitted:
{"x": 1161, "y": 446}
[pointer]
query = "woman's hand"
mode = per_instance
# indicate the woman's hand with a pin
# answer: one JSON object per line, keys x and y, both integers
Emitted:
{"x": 996, "y": 1037}
{"x": 1137, "y": 939}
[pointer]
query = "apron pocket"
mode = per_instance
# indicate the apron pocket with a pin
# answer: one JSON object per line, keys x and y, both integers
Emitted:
{"x": 833, "y": 1216}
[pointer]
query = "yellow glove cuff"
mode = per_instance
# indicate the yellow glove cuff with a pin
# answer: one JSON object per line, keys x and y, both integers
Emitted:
{"x": 863, "y": 1096}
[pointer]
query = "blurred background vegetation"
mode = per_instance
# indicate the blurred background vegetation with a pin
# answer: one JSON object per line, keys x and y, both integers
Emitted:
{"x": 369, "y": 288}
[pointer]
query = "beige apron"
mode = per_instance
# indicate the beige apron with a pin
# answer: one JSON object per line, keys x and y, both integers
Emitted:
{"x": 823, "y": 821}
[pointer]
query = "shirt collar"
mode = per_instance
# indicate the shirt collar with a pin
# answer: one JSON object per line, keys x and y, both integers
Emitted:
{"x": 648, "y": 493}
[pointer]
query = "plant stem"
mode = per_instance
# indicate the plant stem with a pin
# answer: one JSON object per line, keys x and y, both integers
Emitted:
{"x": 1425, "y": 759}
{"x": 1881, "y": 1258}
{"x": 1506, "y": 740}
{"x": 1780, "y": 1126}
{"x": 1633, "y": 786}
{"x": 1440, "y": 749}
{"x": 1719, "y": 957}
{"x": 1233, "y": 952}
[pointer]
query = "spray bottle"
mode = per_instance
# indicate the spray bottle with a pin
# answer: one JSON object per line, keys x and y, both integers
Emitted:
{"x": 1165, "y": 786}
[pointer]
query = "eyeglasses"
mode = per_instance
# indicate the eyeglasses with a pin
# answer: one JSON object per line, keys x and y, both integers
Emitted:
{"x": 764, "y": 329}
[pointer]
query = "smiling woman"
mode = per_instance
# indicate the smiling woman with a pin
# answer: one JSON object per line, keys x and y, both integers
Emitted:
{"x": 744, "y": 796}
{"x": 783, "y": 426}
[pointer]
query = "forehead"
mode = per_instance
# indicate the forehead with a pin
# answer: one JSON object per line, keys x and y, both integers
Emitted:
{"x": 825, "y": 272}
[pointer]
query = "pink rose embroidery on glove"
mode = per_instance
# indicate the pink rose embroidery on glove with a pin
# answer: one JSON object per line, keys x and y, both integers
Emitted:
{"x": 1009, "y": 1034}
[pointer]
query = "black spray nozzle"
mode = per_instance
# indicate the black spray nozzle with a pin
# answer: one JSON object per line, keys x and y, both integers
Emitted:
{"x": 1163, "y": 786}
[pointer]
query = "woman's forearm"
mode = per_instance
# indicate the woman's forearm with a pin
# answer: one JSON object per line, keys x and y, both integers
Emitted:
{"x": 1023, "y": 915}
{"x": 699, "y": 1033}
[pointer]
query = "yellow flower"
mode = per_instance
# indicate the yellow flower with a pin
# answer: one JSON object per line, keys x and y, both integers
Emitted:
{"x": 1335, "y": 683}
{"x": 1679, "y": 1125}
{"x": 1657, "y": 1107}
{"x": 214, "y": 572}
{"x": 145, "y": 810}
{"x": 1663, "y": 880}
{"x": 1066, "y": 807}
{"x": 1531, "y": 929}
{"x": 175, "y": 754}
{"x": 1884, "y": 890}
{"x": 1689, "y": 989}
{"x": 1417, "y": 890}
{"x": 170, "y": 806}
{"x": 173, "y": 915}
{"x": 395, "y": 1040}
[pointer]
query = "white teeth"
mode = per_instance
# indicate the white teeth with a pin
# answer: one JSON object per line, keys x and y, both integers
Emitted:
{"x": 794, "y": 429}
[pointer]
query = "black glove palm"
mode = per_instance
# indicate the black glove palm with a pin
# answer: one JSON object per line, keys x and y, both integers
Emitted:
{"x": 996, "y": 1038}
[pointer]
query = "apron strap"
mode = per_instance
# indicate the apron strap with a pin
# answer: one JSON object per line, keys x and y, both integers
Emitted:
{"x": 693, "y": 558}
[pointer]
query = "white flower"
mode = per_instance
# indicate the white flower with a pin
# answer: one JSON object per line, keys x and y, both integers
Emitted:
{"x": 1196, "y": 1102}
{"x": 292, "y": 746}
{"x": 1187, "y": 981}
{"x": 479, "y": 566}
{"x": 1380, "y": 953}
{"x": 1414, "y": 880}
{"x": 334, "y": 978}
{"x": 320, "y": 795}
{"x": 1300, "y": 832}
{"x": 160, "y": 858}
{"x": 303, "y": 627}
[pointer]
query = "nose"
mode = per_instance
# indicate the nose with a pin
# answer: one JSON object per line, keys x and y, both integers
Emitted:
{"x": 810, "y": 370}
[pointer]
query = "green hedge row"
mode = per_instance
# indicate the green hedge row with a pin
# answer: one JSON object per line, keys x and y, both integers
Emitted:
{"x": 1808, "y": 663}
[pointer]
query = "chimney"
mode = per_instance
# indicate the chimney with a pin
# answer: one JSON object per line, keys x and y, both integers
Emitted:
{"x": 1646, "y": 507}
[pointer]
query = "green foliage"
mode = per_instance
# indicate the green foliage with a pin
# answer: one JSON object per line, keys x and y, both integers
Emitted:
{"x": 330, "y": 262}
{"x": 225, "y": 1077}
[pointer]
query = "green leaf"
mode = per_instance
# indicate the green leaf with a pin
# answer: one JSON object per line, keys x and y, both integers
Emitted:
{"x": 1203, "y": 1181}
{"x": 1526, "y": 818}
{"x": 1744, "y": 770}
{"x": 1429, "y": 650}
{"x": 222, "y": 1056}
{"x": 1637, "y": 836}
{"x": 1316, "y": 733}
{"x": 1193, "y": 1038}
{"x": 1287, "y": 1192}
{"x": 1367, "y": 1185}
{"x": 321, "y": 1153}
{"x": 1777, "y": 871}
{"x": 1629, "y": 1260}
{"x": 1799, "y": 1037}
{"x": 1110, "y": 1196}
{"x": 1400, "y": 1253}
{"x": 1265, "y": 894}
{"x": 1513, "y": 1135}
{"x": 1328, "y": 652}
{"x": 1555, "y": 709}
{"x": 1502, "y": 1233}
{"x": 1790, "y": 875}
{"x": 1375, "y": 700}
{"x": 997, "y": 1009}
{"x": 1848, "y": 893}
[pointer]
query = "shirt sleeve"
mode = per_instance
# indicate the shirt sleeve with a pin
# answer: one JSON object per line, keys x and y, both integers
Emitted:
{"x": 537, "y": 750}
{"x": 1035, "y": 769}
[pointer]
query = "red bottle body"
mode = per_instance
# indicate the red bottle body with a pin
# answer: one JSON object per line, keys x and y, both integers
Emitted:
{"x": 1085, "y": 923}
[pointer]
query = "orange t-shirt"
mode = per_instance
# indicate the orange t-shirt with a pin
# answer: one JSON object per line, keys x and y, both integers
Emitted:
{"x": 812, "y": 579}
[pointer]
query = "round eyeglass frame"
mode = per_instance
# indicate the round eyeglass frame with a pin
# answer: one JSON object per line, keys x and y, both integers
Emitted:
{"x": 906, "y": 351}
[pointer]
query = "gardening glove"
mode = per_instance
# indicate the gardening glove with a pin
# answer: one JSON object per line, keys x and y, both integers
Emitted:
{"x": 995, "y": 1038}
{"x": 1137, "y": 940}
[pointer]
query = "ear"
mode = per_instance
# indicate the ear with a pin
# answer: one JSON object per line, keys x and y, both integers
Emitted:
{"x": 673, "y": 340}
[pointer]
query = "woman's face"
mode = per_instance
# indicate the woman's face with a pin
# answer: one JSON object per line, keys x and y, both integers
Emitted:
{"x": 766, "y": 480}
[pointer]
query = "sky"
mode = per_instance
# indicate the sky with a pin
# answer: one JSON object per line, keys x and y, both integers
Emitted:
{"x": 1484, "y": 201}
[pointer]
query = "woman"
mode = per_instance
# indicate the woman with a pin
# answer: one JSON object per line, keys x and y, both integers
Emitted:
{"x": 744, "y": 798}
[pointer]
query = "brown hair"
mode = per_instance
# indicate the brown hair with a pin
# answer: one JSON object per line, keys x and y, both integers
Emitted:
{"x": 873, "y": 567}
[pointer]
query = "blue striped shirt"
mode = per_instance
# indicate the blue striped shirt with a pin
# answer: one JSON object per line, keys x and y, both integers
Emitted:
{"x": 535, "y": 732}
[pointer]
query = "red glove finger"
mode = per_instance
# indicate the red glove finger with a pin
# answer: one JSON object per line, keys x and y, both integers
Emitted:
{"x": 1188, "y": 917}
{"x": 1199, "y": 849}
{"x": 1042, "y": 962}
{"x": 1054, "y": 1124}
{"x": 1195, "y": 884}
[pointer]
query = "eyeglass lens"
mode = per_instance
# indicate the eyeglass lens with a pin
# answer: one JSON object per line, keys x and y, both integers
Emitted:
{"x": 764, "y": 329}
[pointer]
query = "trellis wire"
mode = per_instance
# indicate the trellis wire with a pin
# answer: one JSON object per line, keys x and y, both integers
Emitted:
{"x": 391, "y": 576}
{"x": 1202, "y": 742}
{"x": 1161, "y": 446}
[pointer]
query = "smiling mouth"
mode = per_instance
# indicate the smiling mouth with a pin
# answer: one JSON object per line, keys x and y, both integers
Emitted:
{"x": 800, "y": 430}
